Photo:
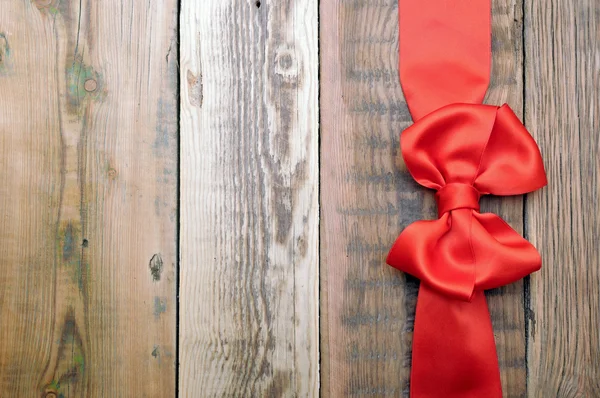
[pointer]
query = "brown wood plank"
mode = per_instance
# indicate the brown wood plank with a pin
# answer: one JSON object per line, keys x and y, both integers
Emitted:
{"x": 367, "y": 197}
{"x": 249, "y": 197}
{"x": 88, "y": 176}
{"x": 563, "y": 113}
{"x": 506, "y": 304}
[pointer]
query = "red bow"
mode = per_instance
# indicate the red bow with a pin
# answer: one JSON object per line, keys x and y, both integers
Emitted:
{"x": 464, "y": 151}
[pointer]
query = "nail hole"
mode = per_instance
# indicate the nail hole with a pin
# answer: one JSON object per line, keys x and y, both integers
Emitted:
{"x": 85, "y": 243}
{"x": 257, "y": 4}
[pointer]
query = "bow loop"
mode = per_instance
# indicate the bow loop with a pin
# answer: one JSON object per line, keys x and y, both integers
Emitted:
{"x": 464, "y": 151}
{"x": 464, "y": 251}
{"x": 480, "y": 145}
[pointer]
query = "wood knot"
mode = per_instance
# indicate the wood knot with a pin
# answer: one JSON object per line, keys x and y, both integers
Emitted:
{"x": 287, "y": 65}
{"x": 285, "y": 61}
{"x": 4, "y": 51}
{"x": 156, "y": 267}
{"x": 45, "y": 5}
{"x": 50, "y": 394}
{"x": 195, "y": 94}
{"x": 112, "y": 173}
{"x": 82, "y": 83}
{"x": 90, "y": 85}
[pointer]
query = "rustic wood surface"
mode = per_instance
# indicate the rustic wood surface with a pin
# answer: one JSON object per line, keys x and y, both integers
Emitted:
{"x": 129, "y": 129}
{"x": 249, "y": 199}
{"x": 367, "y": 197}
{"x": 88, "y": 176}
{"x": 506, "y": 304}
{"x": 563, "y": 112}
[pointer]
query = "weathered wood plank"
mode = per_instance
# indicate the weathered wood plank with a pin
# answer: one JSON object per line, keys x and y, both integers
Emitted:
{"x": 506, "y": 304}
{"x": 367, "y": 308}
{"x": 249, "y": 197}
{"x": 88, "y": 178}
{"x": 563, "y": 113}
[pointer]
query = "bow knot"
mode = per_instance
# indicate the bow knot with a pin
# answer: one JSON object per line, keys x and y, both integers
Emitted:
{"x": 464, "y": 151}
{"x": 457, "y": 196}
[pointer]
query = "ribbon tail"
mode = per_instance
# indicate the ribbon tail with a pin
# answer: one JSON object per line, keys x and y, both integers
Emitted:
{"x": 454, "y": 353}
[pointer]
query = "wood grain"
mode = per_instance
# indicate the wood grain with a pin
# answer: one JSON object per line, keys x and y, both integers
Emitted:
{"x": 88, "y": 180}
{"x": 89, "y": 97}
{"x": 367, "y": 307}
{"x": 563, "y": 113}
{"x": 506, "y": 304}
{"x": 249, "y": 199}
{"x": 368, "y": 197}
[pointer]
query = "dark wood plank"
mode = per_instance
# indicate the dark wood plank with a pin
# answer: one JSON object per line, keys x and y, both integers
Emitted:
{"x": 367, "y": 197}
{"x": 249, "y": 196}
{"x": 88, "y": 177}
{"x": 506, "y": 304}
{"x": 563, "y": 113}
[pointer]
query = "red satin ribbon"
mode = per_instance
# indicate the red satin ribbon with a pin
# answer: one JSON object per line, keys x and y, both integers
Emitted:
{"x": 463, "y": 150}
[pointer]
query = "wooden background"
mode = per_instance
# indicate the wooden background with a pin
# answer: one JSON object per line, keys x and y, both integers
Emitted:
{"x": 197, "y": 197}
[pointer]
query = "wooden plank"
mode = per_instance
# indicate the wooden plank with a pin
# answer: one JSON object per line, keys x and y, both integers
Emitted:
{"x": 506, "y": 304}
{"x": 249, "y": 199}
{"x": 563, "y": 113}
{"x": 367, "y": 308}
{"x": 368, "y": 197}
{"x": 88, "y": 176}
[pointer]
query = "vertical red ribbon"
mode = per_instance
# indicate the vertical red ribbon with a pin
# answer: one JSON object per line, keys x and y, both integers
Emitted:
{"x": 463, "y": 150}
{"x": 445, "y": 52}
